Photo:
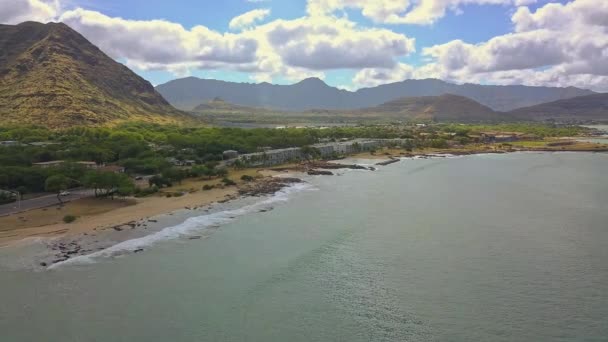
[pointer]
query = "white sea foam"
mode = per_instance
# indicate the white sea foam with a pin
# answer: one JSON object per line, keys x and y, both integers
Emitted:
{"x": 186, "y": 228}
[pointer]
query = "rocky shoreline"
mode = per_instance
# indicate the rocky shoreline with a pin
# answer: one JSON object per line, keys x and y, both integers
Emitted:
{"x": 67, "y": 247}
{"x": 64, "y": 248}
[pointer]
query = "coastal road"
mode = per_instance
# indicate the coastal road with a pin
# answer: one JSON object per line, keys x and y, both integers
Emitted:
{"x": 44, "y": 201}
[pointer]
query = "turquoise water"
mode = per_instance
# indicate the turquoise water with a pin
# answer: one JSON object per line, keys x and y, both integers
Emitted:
{"x": 599, "y": 140}
{"x": 595, "y": 140}
{"x": 477, "y": 248}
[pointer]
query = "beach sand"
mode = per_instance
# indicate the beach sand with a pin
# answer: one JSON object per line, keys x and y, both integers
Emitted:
{"x": 138, "y": 209}
{"x": 99, "y": 215}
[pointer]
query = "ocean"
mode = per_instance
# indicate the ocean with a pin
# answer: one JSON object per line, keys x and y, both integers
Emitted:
{"x": 506, "y": 247}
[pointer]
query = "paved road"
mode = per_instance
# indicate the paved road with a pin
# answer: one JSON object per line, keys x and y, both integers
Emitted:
{"x": 44, "y": 201}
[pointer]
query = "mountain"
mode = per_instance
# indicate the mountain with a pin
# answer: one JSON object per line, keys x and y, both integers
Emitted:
{"x": 313, "y": 93}
{"x": 50, "y": 74}
{"x": 189, "y": 92}
{"x": 443, "y": 108}
{"x": 218, "y": 104}
{"x": 582, "y": 108}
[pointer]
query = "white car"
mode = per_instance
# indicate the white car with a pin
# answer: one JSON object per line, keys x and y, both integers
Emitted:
{"x": 64, "y": 193}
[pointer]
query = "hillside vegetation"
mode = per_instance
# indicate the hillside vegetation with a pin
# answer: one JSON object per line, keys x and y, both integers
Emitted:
{"x": 50, "y": 74}
{"x": 314, "y": 94}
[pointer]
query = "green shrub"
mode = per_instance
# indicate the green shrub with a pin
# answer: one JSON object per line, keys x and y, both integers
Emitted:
{"x": 227, "y": 181}
{"x": 247, "y": 178}
{"x": 69, "y": 218}
{"x": 139, "y": 192}
{"x": 207, "y": 187}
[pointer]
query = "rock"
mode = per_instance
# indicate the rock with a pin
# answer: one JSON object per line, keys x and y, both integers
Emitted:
{"x": 138, "y": 250}
{"x": 387, "y": 162}
{"x": 334, "y": 166}
{"x": 320, "y": 173}
{"x": 117, "y": 228}
{"x": 153, "y": 221}
{"x": 43, "y": 264}
{"x": 194, "y": 237}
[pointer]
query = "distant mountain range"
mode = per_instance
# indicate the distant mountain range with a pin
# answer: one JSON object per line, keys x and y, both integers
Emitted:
{"x": 313, "y": 93}
{"x": 582, "y": 108}
{"x": 442, "y": 108}
{"x": 51, "y": 75}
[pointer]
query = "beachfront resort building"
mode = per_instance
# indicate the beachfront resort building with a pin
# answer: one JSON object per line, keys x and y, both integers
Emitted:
{"x": 285, "y": 155}
{"x": 55, "y": 163}
{"x": 230, "y": 154}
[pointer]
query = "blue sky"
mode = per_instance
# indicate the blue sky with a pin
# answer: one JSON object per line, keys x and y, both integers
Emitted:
{"x": 348, "y": 43}
{"x": 475, "y": 24}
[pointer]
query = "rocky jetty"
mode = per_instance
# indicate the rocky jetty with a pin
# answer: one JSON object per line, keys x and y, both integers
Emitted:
{"x": 335, "y": 166}
{"x": 267, "y": 186}
{"x": 388, "y": 162}
{"x": 320, "y": 173}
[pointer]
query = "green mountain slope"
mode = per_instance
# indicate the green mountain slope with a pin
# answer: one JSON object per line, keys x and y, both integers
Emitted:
{"x": 51, "y": 75}
{"x": 443, "y": 108}
{"x": 582, "y": 108}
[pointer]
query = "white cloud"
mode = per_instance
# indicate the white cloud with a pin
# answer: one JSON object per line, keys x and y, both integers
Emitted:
{"x": 247, "y": 19}
{"x": 333, "y": 43}
{"x": 282, "y": 49}
{"x": 557, "y": 45}
{"x": 371, "y": 77}
{"x": 421, "y": 12}
{"x": 160, "y": 42}
{"x": 17, "y": 11}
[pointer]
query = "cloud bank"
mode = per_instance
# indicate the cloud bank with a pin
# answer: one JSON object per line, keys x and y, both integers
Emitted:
{"x": 554, "y": 45}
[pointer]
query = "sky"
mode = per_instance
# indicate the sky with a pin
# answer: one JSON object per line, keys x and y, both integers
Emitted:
{"x": 348, "y": 43}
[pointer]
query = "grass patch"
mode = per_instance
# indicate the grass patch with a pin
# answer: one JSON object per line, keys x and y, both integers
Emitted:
{"x": 69, "y": 218}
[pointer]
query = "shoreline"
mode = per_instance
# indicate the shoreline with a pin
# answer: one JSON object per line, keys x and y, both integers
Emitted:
{"x": 147, "y": 207}
{"x": 94, "y": 233}
{"x": 57, "y": 243}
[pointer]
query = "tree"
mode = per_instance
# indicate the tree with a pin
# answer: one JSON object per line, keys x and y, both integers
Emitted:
{"x": 57, "y": 183}
{"x": 159, "y": 181}
{"x": 310, "y": 152}
{"x": 174, "y": 174}
{"x": 109, "y": 183}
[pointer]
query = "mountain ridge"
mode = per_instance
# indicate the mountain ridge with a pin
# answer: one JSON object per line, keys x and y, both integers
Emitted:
{"x": 51, "y": 74}
{"x": 581, "y": 108}
{"x": 187, "y": 93}
{"x": 442, "y": 108}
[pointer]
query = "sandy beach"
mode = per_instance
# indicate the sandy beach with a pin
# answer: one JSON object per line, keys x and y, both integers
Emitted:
{"x": 142, "y": 208}
{"x": 109, "y": 220}
{"x": 99, "y": 215}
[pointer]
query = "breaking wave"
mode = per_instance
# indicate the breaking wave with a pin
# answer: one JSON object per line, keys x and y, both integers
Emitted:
{"x": 186, "y": 228}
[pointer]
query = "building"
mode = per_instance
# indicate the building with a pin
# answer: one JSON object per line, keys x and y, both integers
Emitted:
{"x": 230, "y": 154}
{"x": 55, "y": 163}
{"x": 10, "y": 143}
{"x": 45, "y": 165}
{"x": 112, "y": 168}
{"x": 177, "y": 162}
{"x": 281, "y": 156}
{"x": 273, "y": 157}
{"x": 88, "y": 164}
{"x": 490, "y": 137}
{"x": 42, "y": 143}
